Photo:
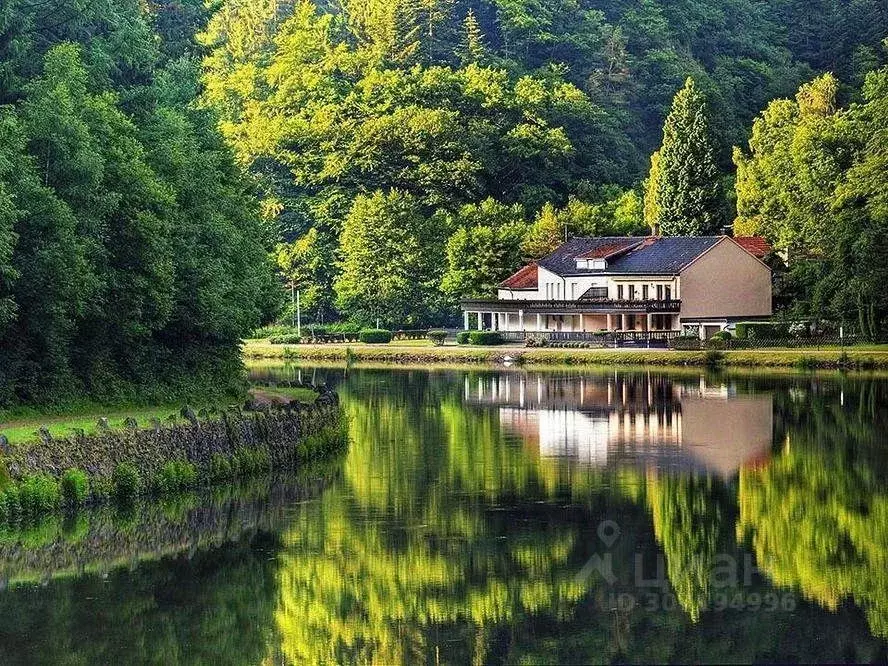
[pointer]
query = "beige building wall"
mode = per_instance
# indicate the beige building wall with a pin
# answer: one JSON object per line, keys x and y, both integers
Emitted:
{"x": 726, "y": 281}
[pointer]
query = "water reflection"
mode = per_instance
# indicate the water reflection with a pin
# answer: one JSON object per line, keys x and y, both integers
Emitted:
{"x": 648, "y": 420}
{"x": 505, "y": 517}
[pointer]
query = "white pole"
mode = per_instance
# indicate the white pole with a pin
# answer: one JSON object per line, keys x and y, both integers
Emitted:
{"x": 298, "y": 313}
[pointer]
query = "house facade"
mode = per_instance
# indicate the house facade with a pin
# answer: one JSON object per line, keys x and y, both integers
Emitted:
{"x": 662, "y": 285}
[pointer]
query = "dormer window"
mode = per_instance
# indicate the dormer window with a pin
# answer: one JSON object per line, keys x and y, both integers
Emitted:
{"x": 592, "y": 264}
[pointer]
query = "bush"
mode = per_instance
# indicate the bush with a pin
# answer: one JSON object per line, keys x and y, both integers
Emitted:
{"x": 760, "y": 329}
{"x": 220, "y": 468}
{"x": 75, "y": 487}
{"x": 38, "y": 494}
{"x": 273, "y": 331}
{"x": 485, "y": 338}
{"x": 714, "y": 358}
{"x": 375, "y": 336}
{"x": 536, "y": 340}
{"x": 722, "y": 335}
{"x": 253, "y": 461}
{"x": 126, "y": 482}
{"x": 289, "y": 339}
{"x": 175, "y": 476}
{"x": 462, "y": 338}
{"x": 437, "y": 337}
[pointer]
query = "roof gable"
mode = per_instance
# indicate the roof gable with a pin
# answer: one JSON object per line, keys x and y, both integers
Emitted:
{"x": 526, "y": 278}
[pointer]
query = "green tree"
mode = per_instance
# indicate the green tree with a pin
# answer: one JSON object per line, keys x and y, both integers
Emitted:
{"x": 688, "y": 197}
{"x": 651, "y": 189}
{"x": 485, "y": 248}
{"x": 392, "y": 259}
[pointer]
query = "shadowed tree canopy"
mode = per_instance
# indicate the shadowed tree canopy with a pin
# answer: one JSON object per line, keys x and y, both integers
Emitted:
{"x": 132, "y": 253}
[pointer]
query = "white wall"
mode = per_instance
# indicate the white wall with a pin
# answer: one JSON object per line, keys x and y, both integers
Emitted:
{"x": 552, "y": 287}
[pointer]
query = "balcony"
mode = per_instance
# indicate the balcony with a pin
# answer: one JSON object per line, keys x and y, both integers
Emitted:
{"x": 587, "y": 306}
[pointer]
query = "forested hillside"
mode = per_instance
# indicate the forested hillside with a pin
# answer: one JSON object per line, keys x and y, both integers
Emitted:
{"x": 414, "y": 151}
{"x": 132, "y": 252}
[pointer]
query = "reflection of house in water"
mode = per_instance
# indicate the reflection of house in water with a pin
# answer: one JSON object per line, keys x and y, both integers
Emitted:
{"x": 638, "y": 419}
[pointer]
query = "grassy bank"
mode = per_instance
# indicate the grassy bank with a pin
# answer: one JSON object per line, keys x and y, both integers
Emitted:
{"x": 871, "y": 357}
{"x": 19, "y": 427}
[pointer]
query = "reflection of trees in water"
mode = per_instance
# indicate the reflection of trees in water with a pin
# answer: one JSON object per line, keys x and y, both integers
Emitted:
{"x": 817, "y": 515}
{"x": 215, "y": 608}
{"x": 689, "y": 521}
{"x": 820, "y": 527}
{"x": 449, "y": 541}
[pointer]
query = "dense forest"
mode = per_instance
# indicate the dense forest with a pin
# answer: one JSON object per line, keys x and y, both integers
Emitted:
{"x": 413, "y": 152}
{"x": 159, "y": 157}
{"x": 133, "y": 255}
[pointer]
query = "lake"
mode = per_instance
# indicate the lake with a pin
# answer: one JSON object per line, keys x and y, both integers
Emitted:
{"x": 499, "y": 516}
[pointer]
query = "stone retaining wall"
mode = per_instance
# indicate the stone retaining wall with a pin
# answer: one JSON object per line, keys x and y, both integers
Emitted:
{"x": 282, "y": 432}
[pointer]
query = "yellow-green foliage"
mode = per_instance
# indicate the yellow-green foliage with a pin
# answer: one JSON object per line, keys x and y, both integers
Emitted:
{"x": 820, "y": 525}
{"x": 74, "y": 487}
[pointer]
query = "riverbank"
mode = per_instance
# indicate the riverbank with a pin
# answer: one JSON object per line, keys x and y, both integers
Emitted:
{"x": 272, "y": 432}
{"x": 875, "y": 357}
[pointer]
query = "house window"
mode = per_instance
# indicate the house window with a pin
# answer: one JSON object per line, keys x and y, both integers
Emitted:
{"x": 668, "y": 293}
{"x": 573, "y": 291}
{"x": 619, "y": 292}
{"x": 644, "y": 292}
{"x": 631, "y": 292}
{"x": 659, "y": 292}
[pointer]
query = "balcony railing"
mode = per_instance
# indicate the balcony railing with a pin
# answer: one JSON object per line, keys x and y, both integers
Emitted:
{"x": 596, "y": 306}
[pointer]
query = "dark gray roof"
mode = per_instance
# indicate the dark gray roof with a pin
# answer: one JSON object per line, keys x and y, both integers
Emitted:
{"x": 656, "y": 255}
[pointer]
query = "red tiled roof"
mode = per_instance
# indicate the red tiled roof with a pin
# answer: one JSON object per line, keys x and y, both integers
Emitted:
{"x": 526, "y": 278}
{"x": 755, "y": 245}
{"x": 609, "y": 249}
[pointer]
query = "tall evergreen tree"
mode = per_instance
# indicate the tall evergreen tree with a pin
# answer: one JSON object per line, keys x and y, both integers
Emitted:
{"x": 472, "y": 48}
{"x": 688, "y": 197}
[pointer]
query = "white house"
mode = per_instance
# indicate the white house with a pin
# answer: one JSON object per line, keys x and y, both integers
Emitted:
{"x": 633, "y": 284}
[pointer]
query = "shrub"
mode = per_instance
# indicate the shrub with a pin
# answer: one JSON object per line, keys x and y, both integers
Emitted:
{"x": 174, "y": 476}
{"x": 272, "y": 331}
{"x": 289, "y": 339}
{"x": 38, "y": 494}
{"x": 375, "y": 336}
{"x": 536, "y": 340}
{"x": 485, "y": 338}
{"x": 126, "y": 482}
{"x": 220, "y": 467}
{"x": 714, "y": 358}
{"x": 462, "y": 338}
{"x": 253, "y": 461}
{"x": 760, "y": 330}
{"x": 75, "y": 487}
{"x": 806, "y": 363}
{"x": 437, "y": 337}
{"x": 722, "y": 335}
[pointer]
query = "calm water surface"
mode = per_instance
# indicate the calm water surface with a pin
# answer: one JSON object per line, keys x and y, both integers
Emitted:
{"x": 499, "y": 517}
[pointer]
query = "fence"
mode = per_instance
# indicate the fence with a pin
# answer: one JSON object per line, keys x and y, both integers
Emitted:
{"x": 809, "y": 342}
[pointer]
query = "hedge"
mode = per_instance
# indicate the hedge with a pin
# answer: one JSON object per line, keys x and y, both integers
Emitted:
{"x": 375, "y": 336}
{"x": 760, "y": 329}
{"x": 485, "y": 338}
{"x": 462, "y": 338}
{"x": 437, "y": 337}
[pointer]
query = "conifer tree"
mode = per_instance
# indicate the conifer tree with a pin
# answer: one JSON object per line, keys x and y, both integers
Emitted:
{"x": 651, "y": 186}
{"x": 472, "y": 49}
{"x": 688, "y": 196}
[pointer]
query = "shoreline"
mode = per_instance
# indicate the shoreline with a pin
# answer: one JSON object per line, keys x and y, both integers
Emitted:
{"x": 849, "y": 358}
{"x": 52, "y": 474}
